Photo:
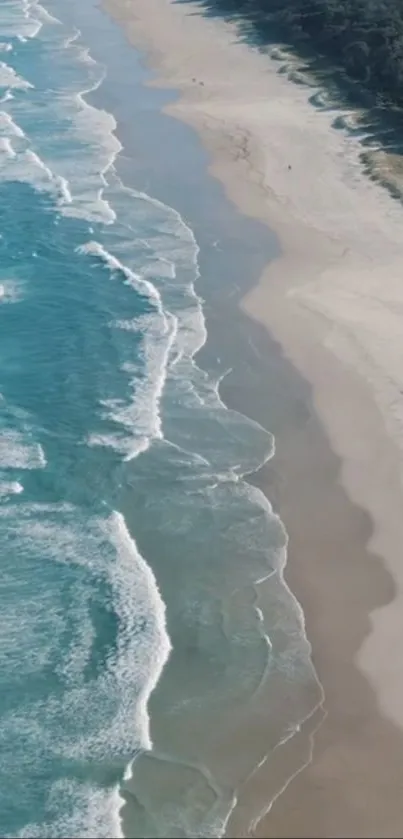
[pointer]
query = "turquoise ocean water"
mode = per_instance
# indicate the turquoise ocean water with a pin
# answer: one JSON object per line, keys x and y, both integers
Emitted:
{"x": 127, "y": 534}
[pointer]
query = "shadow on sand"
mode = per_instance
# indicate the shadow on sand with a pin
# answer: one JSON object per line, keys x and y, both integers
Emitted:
{"x": 375, "y": 122}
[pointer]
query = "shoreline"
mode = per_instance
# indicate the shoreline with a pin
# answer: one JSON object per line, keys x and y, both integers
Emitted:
{"x": 308, "y": 323}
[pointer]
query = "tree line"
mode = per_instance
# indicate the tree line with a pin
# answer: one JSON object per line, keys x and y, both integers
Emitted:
{"x": 364, "y": 37}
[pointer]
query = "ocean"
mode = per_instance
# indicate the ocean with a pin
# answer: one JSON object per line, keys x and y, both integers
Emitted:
{"x": 144, "y": 618}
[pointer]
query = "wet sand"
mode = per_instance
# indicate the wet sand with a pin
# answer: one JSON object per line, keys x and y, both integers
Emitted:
{"x": 333, "y": 302}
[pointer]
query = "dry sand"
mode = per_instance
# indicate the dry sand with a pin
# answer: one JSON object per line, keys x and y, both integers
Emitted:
{"x": 334, "y": 301}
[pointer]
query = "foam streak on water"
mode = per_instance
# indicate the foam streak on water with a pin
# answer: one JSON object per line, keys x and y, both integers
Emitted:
{"x": 103, "y": 551}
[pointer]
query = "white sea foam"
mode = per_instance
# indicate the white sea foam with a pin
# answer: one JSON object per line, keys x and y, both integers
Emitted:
{"x": 10, "y": 79}
{"x": 5, "y": 47}
{"x": 59, "y": 184}
{"x": 8, "y": 488}
{"x": 133, "y": 582}
{"x": 142, "y": 649}
{"x": 94, "y": 130}
{"x": 18, "y": 19}
{"x": 91, "y": 134}
{"x": 6, "y": 147}
{"x": 32, "y": 25}
{"x": 26, "y": 166}
{"x": 174, "y": 244}
{"x": 8, "y": 126}
{"x": 88, "y": 811}
{"x": 173, "y": 241}
{"x": 10, "y": 292}
{"x": 92, "y": 137}
{"x": 45, "y": 16}
{"x": 106, "y": 553}
{"x": 70, "y": 40}
{"x": 93, "y": 719}
{"x": 160, "y": 267}
{"x": 166, "y": 340}
{"x": 140, "y": 415}
{"x": 18, "y": 452}
{"x": 85, "y": 57}
{"x": 7, "y": 96}
{"x": 141, "y": 285}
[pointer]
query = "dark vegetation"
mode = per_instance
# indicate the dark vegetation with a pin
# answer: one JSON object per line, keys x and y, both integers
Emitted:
{"x": 363, "y": 37}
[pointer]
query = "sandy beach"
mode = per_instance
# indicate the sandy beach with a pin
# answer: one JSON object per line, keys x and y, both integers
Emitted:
{"x": 333, "y": 301}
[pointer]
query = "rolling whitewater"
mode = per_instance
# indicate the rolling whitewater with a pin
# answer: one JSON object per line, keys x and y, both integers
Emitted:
{"x": 134, "y": 554}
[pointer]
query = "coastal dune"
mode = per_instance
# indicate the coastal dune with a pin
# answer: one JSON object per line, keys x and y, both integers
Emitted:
{"x": 333, "y": 300}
